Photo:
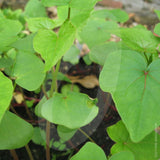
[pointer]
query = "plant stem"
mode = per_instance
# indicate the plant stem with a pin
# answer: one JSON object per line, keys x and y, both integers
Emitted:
{"x": 29, "y": 152}
{"x": 48, "y": 140}
{"x": 86, "y": 135}
{"x": 54, "y": 79}
{"x": 14, "y": 154}
{"x": 52, "y": 90}
{"x": 44, "y": 91}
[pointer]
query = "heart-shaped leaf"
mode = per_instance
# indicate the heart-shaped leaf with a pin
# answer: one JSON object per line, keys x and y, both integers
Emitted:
{"x": 135, "y": 89}
{"x": 29, "y": 71}
{"x": 139, "y": 39}
{"x": 14, "y": 132}
{"x": 147, "y": 149}
{"x": 90, "y": 151}
{"x": 6, "y": 90}
{"x": 8, "y": 34}
{"x": 97, "y": 31}
{"x": 53, "y": 47}
{"x": 73, "y": 111}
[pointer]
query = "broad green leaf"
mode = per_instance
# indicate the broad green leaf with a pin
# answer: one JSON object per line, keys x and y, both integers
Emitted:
{"x": 8, "y": 34}
{"x": 157, "y": 29}
{"x": 14, "y": 132}
{"x": 5, "y": 63}
{"x": 39, "y": 136}
{"x": 65, "y": 133}
{"x": 126, "y": 76}
{"x": 25, "y": 44}
{"x": 34, "y": 24}
{"x": 80, "y": 110}
{"x": 157, "y": 12}
{"x": 97, "y": 31}
{"x": 72, "y": 55}
{"x": 115, "y": 14}
{"x": 29, "y": 71}
{"x": 6, "y": 90}
{"x": 45, "y": 44}
{"x": 147, "y": 149}
{"x": 140, "y": 40}
{"x": 90, "y": 151}
{"x": 123, "y": 155}
{"x": 53, "y": 47}
{"x": 50, "y": 3}
{"x": 35, "y": 8}
{"x": 100, "y": 52}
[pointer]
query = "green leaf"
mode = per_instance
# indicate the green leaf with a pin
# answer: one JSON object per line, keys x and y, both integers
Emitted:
{"x": 45, "y": 44}
{"x": 144, "y": 150}
{"x": 157, "y": 29}
{"x": 39, "y": 136}
{"x": 115, "y": 14}
{"x": 14, "y": 132}
{"x": 140, "y": 40}
{"x": 100, "y": 52}
{"x": 131, "y": 84}
{"x": 122, "y": 155}
{"x": 72, "y": 55}
{"x": 50, "y": 3}
{"x": 157, "y": 12}
{"x": 53, "y": 47}
{"x": 65, "y": 133}
{"x": 29, "y": 71}
{"x": 62, "y": 77}
{"x": 34, "y": 24}
{"x": 68, "y": 88}
{"x": 35, "y": 8}
{"x": 25, "y": 44}
{"x": 8, "y": 34}
{"x": 97, "y": 31}
{"x": 90, "y": 151}
{"x": 80, "y": 110}
{"x": 87, "y": 59}
{"x": 6, "y": 90}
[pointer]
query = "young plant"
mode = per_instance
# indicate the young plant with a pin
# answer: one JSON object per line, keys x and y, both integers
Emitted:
{"x": 130, "y": 73}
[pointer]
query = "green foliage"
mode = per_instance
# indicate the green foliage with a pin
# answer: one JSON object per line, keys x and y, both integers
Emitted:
{"x": 8, "y": 34}
{"x": 6, "y": 90}
{"x": 97, "y": 31}
{"x": 29, "y": 71}
{"x": 122, "y": 155}
{"x": 51, "y": 46}
{"x": 115, "y": 14}
{"x": 14, "y": 132}
{"x": 130, "y": 73}
{"x": 65, "y": 133}
{"x": 157, "y": 29}
{"x": 34, "y": 24}
{"x": 143, "y": 150}
{"x": 34, "y": 8}
{"x": 131, "y": 81}
{"x": 72, "y": 55}
{"x": 76, "y": 105}
{"x": 39, "y": 136}
{"x": 139, "y": 39}
{"x": 90, "y": 151}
